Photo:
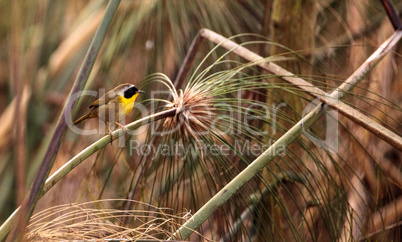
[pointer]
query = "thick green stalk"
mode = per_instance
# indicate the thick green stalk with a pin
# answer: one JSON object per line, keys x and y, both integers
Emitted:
{"x": 78, "y": 159}
{"x": 47, "y": 162}
{"x": 256, "y": 166}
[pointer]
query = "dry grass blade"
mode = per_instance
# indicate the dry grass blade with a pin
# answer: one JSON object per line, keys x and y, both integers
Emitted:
{"x": 357, "y": 213}
{"x": 75, "y": 41}
{"x": 6, "y": 118}
{"x": 386, "y": 216}
{"x": 92, "y": 220}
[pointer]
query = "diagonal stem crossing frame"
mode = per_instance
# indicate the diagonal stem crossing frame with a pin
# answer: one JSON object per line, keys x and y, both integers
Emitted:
{"x": 258, "y": 164}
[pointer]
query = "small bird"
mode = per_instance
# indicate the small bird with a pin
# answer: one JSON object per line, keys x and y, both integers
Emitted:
{"x": 113, "y": 106}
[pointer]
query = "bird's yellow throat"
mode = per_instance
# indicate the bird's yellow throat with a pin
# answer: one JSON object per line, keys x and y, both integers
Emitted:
{"x": 128, "y": 103}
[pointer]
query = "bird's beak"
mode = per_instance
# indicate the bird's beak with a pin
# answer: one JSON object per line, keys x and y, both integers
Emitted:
{"x": 140, "y": 91}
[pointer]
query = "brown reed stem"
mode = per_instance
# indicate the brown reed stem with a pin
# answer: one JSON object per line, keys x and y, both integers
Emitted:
{"x": 30, "y": 202}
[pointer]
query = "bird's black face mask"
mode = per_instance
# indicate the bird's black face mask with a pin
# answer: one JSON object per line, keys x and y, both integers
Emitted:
{"x": 130, "y": 92}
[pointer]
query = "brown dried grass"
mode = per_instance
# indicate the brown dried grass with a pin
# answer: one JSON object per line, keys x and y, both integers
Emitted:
{"x": 96, "y": 220}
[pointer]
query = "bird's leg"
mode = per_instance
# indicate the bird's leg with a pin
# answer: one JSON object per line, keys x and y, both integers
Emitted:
{"x": 110, "y": 132}
{"x": 122, "y": 127}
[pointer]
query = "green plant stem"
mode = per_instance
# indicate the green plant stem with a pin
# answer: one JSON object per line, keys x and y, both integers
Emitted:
{"x": 79, "y": 158}
{"x": 256, "y": 166}
{"x": 47, "y": 162}
{"x": 248, "y": 173}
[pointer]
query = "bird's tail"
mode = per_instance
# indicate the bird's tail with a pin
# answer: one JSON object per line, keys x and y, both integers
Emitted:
{"x": 86, "y": 116}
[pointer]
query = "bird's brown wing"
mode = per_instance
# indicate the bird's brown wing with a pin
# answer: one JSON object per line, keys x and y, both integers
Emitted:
{"x": 104, "y": 99}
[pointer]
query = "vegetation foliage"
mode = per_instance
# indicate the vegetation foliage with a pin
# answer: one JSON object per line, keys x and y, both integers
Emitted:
{"x": 223, "y": 115}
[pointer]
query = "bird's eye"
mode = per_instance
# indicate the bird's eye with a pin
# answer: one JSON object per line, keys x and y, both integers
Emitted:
{"x": 130, "y": 92}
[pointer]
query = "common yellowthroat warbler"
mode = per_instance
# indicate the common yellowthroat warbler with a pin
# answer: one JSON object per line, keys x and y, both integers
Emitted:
{"x": 113, "y": 106}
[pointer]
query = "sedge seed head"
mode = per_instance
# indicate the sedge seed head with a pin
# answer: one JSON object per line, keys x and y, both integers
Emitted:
{"x": 194, "y": 113}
